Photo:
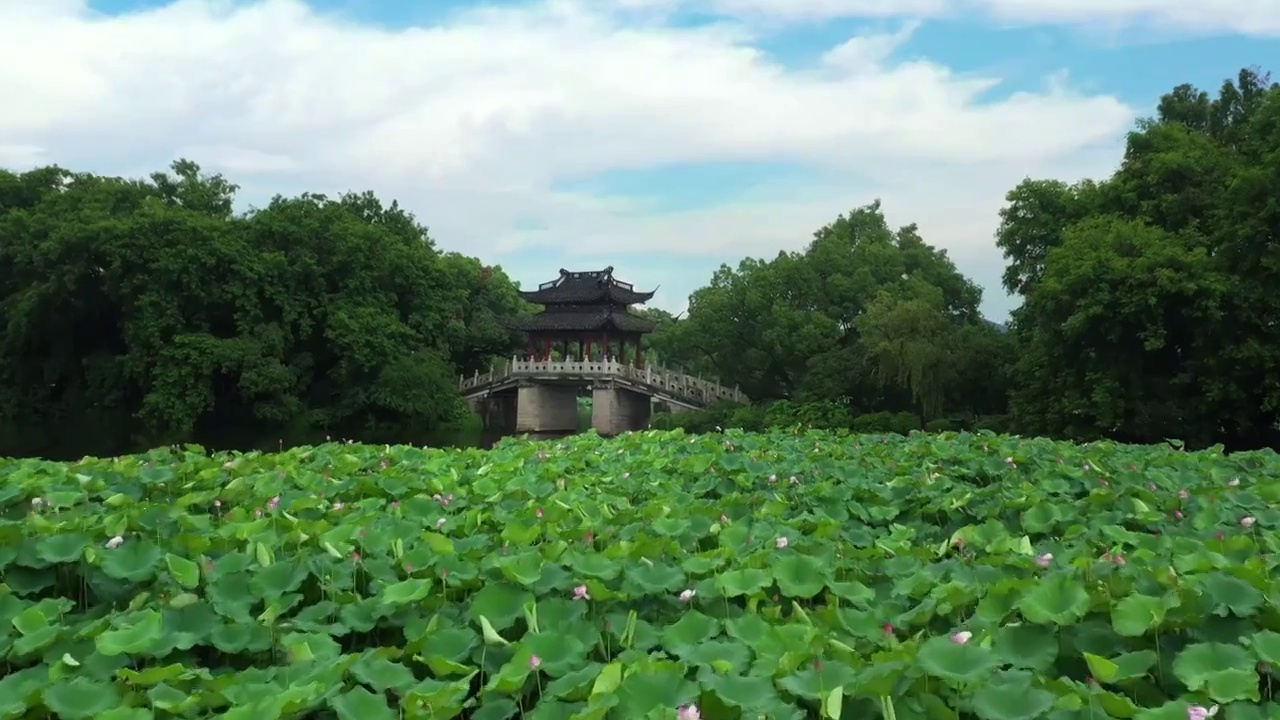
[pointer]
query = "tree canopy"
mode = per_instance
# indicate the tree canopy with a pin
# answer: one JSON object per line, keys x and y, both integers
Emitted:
{"x": 139, "y": 313}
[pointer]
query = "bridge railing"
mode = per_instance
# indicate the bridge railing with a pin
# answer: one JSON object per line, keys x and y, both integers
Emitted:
{"x": 674, "y": 384}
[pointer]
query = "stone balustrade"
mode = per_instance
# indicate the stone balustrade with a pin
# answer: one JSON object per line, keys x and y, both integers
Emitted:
{"x": 656, "y": 380}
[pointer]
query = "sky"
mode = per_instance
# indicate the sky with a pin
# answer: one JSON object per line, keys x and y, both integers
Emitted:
{"x": 662, "y": 137}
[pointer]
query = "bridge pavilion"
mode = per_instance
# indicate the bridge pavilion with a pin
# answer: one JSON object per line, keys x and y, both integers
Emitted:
{"x": 587, "y": 316}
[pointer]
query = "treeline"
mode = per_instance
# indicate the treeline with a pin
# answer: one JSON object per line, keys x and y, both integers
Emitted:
{"x": 140, "y": 313}
{"x": 1150, "y": 303}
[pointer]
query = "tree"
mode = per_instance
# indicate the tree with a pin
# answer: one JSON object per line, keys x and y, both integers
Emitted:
{"x": 1111, "y": 340}
{"x": 1150, "y": 304}
{"x": 912, "y": 339}
{"x": 140, "y": 313}
{"x": 793, "y": 327}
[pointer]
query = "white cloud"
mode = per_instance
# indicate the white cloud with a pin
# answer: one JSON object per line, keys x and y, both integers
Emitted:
{"x": 471, "y": 124}
{"x": 1249, "y": 17}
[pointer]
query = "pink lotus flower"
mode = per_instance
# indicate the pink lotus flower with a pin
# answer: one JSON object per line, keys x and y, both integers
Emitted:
{"x": 781, "y": 542}
{"x": 538, "y": 512}
{"x": 1247, "y": 522}
{"x": 1183, "y": 494}
{"x": 1199, "y": 712}
{"x": 115, "y": 542}
{"x": 688, "y": 712}
{"x": 1178, "y": 514}
{"x": 338, "y": 506}
{"x": 773, "y": 479}
{"x": 687, "y": 595}
{"x": 888, "y": 628}
{"x": 216, "y": 503}
{"x": 724, "y": 519}
{"x": 1233, "y": 482}
{"x": 580, "y": 593}
{"x": 1151, "y": 486}
{"x": 962, "y": 637}
{"x": 1044, "y": 560}
{"x": 273, "y": 503}
{"x": 534, "y": 662}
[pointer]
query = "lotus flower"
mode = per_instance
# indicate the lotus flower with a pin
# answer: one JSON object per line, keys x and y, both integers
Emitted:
{"x": 1183, "y": 494}
{"x": 781, "y": 542}
{"x": 534, "y": 662}
{"x": 962, "y": 637}
{"x": 580, "y": 593}
{"x": 1044, "y": 560}
{"x": 688, "y": 712}
{"x": 1247, "y": 522}
{"x": 1233, "y": 482}
{"x": 115, "y": 542}
{"x": 687, "y": 595}
{"x": 1200, "y": 712}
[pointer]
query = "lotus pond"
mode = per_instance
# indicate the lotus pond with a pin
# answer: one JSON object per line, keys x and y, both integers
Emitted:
{"x": 656, "y": 575}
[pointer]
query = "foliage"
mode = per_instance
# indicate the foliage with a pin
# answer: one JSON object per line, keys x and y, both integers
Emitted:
{"x": 1150, "y": 300}
{"x": 1148, "y": 310}
{"x": 787, "y": 575}
{"x": 829, "y": 324}
{"x": 139, "y": 313}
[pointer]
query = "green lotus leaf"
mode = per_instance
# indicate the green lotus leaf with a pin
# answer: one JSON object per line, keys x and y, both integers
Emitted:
{"x": 1057, "y": 599}
{"x": 61, "y": 549}
{"x": 1008, "y": 697}
{"x": 959, "y": 663}
{"x": 1134, "y": 615}
{"x": 1229, "y": 593}
{"x": 81, "y": 698}
{"x": 136, "y": 634}
{"x": 800, "y": 576}
{"x": 1224, "y": 672}
{"x": 691, "y": 629}
{"x": 524, "y": 568}
{"x": 184, "y": 571}
{"x": 743, "y": 581}
{"x": 574, "y": 685}
{"x": 500, "y": 603}
{"x": 1266, "y": 645}
{"x": 652, "y": 685}
{"x": 1034, "y": 647}
{"x": 375, "y": 669}
{"x": 135, "y": 560}
{"x": 406, "y": 591}
{"x": 657, "y": 579}
{"x": 360, "y": 704}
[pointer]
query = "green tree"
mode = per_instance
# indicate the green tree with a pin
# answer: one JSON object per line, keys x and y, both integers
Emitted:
{"x": 913, "y": 340}
{"x": 1150, "y": 303}
{"x": 139, "y": 313}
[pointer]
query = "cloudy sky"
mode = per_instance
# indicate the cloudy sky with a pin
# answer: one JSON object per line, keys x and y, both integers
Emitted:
{"x": 663, "y": 137}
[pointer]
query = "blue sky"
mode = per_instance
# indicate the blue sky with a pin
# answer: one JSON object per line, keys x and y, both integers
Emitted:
{"x": 659, "y": 136}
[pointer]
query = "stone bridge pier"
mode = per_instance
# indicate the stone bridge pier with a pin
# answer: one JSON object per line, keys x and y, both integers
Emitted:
{"x": 616, "y": 409}
{"x": 546, "y": 408}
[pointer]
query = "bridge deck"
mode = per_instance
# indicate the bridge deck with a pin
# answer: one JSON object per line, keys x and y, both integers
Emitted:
{"x": 663, "y": 384}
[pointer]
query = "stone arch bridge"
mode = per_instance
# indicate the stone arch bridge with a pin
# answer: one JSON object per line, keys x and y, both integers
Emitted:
{"x": 537, "y": 396}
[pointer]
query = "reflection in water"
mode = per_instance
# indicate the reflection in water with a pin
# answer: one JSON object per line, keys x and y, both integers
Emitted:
{"x": 489, "y": 439}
